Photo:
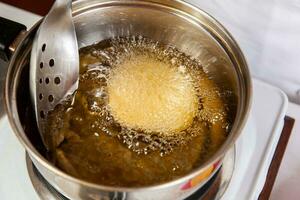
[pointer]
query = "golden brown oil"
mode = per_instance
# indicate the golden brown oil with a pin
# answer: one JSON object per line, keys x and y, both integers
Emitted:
{"x": 89, "y": 142}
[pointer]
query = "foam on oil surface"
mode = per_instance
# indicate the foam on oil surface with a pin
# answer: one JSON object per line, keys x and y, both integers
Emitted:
{"x": 151, "y": 95}
{"x": 144, "y": 113}
{"x": 157, "y": 96}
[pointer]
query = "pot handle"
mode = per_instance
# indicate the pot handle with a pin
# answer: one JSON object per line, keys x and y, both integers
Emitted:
{"x": 10, "y": 34}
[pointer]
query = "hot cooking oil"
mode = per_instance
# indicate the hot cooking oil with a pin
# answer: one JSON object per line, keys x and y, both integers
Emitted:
{"x": 144, "y": 113}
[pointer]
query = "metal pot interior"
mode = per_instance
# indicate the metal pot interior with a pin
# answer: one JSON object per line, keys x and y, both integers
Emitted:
{"x": 178, "y": 24}
{"x": 167, "y": 25}
{"x": 172, "y": 22}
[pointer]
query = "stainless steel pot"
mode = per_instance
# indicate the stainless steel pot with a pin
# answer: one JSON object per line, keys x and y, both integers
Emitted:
{"x": 169, "y": 21}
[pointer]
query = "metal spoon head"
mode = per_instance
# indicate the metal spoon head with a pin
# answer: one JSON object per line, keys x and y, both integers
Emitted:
{"x": 54, "y": 62}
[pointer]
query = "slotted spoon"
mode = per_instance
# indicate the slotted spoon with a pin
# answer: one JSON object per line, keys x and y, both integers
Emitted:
{"x": 54, "y": 63}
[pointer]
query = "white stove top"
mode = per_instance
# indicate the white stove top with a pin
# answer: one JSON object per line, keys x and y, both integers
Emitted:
{"x": 254, "y": 150}
{"x": 256, "y": 146}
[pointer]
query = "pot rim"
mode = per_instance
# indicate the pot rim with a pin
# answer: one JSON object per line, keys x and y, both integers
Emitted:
{"x": 11, "y": 83}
